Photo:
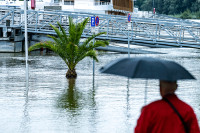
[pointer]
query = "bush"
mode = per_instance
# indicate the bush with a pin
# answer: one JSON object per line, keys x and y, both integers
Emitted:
{"x": 198, "y": 15}
{"x": 186, "y": 15}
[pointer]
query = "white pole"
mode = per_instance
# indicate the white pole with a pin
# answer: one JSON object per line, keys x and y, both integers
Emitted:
{"x": 93, "y": 61}
{"x": 145, "y": 95}
{"x": 26, "y": 40}
{"x": 26, "y": 34}
{"x": 128, "y": 45}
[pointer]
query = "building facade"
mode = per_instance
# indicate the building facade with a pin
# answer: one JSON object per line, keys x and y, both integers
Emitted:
{"x": 117, "y": 7}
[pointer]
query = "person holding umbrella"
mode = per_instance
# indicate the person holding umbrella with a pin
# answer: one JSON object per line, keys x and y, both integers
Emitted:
{"x": 168, "y": 115}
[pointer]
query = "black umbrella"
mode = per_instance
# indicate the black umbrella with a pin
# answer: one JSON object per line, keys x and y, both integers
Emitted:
{"x": 147, "y": 68}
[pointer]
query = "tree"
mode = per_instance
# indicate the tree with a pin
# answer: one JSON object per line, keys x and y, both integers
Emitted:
{"x": 159, "y": 6}
{"x": 195, "y": 6}
{"x": 166, "y": 4}
{"x": 198, "y": 14}
{"x": 139, "y": 3}
{"x": 175, "y": 7}
{"x": 69, "y": 47}
{"x": 186, "y": 14}
{"x": 147, "y": 5}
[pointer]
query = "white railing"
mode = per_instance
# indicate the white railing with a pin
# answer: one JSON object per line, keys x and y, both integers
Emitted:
{"x": 102, "y": 3}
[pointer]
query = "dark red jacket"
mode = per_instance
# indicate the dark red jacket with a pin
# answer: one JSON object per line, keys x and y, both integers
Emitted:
{"x": 159, "y": 117}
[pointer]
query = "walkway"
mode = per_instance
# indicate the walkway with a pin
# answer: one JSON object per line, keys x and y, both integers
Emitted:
{"x": 165, "y": 32}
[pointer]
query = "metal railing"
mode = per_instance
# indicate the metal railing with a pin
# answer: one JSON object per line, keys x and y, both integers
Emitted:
{"x": 140, "y": 31}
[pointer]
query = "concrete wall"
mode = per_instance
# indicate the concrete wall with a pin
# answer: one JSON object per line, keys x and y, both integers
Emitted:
{"x": 6, "y": 46}
{"x": 11, "y": 39}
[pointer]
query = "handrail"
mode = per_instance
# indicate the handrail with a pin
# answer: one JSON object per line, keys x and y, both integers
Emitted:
{"x": 154, "y": 30}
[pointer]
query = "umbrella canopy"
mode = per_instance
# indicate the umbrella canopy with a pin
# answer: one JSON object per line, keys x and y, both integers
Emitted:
{"x": 147, "y": 68}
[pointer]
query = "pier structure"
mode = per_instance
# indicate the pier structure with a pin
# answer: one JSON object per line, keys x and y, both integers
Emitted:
{"x": 151, "y": 32}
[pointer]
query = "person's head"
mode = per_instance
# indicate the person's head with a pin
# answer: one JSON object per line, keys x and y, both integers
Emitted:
{"x": 167, "y": 87}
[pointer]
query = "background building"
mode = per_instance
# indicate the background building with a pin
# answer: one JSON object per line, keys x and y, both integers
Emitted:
{"x": 117, "y": 7}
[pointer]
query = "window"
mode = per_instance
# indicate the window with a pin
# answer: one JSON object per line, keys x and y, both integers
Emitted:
{"x": 102, "y": 2}
{"x": 56, "y": 1}
{"x": 68, "y": 2}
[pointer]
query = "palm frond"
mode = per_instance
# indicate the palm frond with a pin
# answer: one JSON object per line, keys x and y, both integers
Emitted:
{"x": 89, "y": 39}
{"x": 71, "y": 30}
{"x": 57, "y": 40}
{"x": 76, "y": 30}
{"x": 79, "y": 30}
{"x": 100, "y": 43}
{"x": 63, "y": 32}
{"x": 47, "y": 44}
{"x": 91, "y": 54}
{"x": 58, "y": 32}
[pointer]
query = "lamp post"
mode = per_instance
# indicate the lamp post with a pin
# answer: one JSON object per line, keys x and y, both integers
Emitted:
{"x": 153, "y": 4}
{"x": 26, "y": 34}
{"x": 154, "y": 9}
{"x": 26, "y": 42}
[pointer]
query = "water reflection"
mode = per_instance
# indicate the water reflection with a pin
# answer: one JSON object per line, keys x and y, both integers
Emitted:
{"x": 103, "y": 103}
{"x": 127, "y": 100}
{"x": 70, "y": 98}
{"x": 24, "y": 127}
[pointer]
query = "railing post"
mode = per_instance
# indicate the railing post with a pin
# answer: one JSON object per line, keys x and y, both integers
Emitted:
{"x": 0, "y": 14}
{"x": 60, "y": 18}
{"x": 36, "y": 21}
{"x": 183, "y": 34}
{"x": 180, "y": 32}
{"x": 128, "y": 44}
{"x": 159, "y": 30}
{"x": 108, "y": 27}
{"x": 136, "y": 30}
{"x": 93, "y": 60}
{"x": 132, "y": 30}
{"x": 156, "y": 31}
{"x": 13, "y": 16}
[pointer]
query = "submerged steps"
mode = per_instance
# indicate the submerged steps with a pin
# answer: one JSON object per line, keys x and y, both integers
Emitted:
{"x": 125, "y": 50}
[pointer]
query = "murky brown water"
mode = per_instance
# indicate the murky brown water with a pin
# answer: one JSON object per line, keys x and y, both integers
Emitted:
{"x": 107, "y": 104}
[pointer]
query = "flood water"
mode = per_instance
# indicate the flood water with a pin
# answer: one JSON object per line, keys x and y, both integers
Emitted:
{"x": 103, "y": 104}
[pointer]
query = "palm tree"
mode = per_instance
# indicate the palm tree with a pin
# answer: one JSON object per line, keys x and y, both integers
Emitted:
{"x": 69, "y": 47}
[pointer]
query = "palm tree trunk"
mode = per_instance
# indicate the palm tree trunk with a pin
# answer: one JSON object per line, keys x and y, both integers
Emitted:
{"x": 71, "y": 74}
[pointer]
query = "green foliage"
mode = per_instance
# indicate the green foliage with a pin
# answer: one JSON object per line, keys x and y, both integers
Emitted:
{"x": 147, "y": 5}
{"x": 186, "y": 15}
{"x": 69, "y": 47}
{"x": 138, "y": 3}
{"x": 169, "y": 7}
{"x": 198, "y": 15}
{"x": 176, "y": 15}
